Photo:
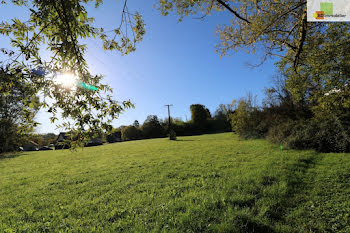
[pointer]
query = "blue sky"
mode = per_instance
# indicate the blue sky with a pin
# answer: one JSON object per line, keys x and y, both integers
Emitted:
{"x": 176, "y": 63}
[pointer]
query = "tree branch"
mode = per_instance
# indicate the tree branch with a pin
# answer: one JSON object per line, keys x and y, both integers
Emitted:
{"x": 303, "y": 28}
{"x": 232, "y": 11}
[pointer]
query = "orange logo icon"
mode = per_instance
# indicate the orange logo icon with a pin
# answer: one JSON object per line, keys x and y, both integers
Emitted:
{"x": 318, "y": 15}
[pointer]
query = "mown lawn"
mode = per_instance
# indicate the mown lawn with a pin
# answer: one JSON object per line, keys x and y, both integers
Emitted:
{"x": 209, "y": 183}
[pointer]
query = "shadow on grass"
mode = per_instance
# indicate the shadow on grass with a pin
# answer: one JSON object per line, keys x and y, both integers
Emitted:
{"x": 184, "y": 140}
{"x": 295, "y": 177}
{"x": 247, "y": 224}
{"x": 11, "y": 155}
{"x": 276, "y": 205}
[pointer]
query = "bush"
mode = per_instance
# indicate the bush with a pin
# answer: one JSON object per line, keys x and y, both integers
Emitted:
{"x": 331, "y": 136}
{"x": 302, "y": 135}
{"x": 10, "y": 140}
{"x": 199, "y": 118}
{"x": 246, "y": 121}
{"x": 221, "y": 120}
{"x": 324, "y": 134}
{"x": 152, "y": 128}
{"x": 279, "y": 132}
{"x": 179, "y": 128}
{"x": 131, "y": 133}
{"x": 172, "y": 135}
{"x": 114, "y": 136}
{"x": 218, "y": 125}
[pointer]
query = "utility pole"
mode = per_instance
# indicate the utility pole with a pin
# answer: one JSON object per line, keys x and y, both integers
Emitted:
{"x": 168, "y": 105}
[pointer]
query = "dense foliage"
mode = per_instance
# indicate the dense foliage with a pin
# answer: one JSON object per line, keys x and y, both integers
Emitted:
{"x": 293, "y": 124}
{"x": 131, "y": 133}
{"x": 155, "y": 128}
{"x": 113, "y": 136}
{"x": 14, "y": 112}
{"x": 199, "y": 117}
{"x": 152, "y": 128}
{"x": 59, "y": 27}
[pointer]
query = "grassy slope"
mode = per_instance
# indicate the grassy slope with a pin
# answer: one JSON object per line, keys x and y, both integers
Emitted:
{"x": 202, "y": 183}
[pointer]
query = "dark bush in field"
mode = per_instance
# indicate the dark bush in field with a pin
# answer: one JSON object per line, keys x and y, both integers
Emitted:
{"x": 131, "y": 133}
{"x": 179, "y": 127}
{"x": 218, "y": 125}
{"x": 326, "y": 134}
{"x": 201, "y": 121}
{"x": 184, "y": 128}
{"x": 330, "y": 135}
{"x": 9, "y": 139}
{"x": 292, "y": 124}
{"x": 152, "y": 128}
{"x": 114, "y": 137}
{"x": 172, "y": 135}
{"x": 247, "y": 120}
{"x": 199, "y": 118}
{"x": 221, "y": 121}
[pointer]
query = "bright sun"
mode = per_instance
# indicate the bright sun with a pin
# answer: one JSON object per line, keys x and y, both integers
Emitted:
{"x": 67, "y": 80}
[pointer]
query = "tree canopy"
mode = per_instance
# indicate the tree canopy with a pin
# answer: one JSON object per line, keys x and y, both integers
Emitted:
{"x": 59, "y": 26}
{"x": 276, "y": 27}
{"x": 312, "y": 55}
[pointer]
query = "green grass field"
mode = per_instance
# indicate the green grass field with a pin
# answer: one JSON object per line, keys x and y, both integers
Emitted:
{"x": 209, "y": 183}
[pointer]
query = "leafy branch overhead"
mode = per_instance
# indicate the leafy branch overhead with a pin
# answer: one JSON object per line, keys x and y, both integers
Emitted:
{"x": 276, "y": 27}
{"x": 59, "y": 26}
{"x": 313, "y": 55}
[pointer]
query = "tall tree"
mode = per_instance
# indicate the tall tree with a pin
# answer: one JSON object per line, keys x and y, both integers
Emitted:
{"x": 324, "y": 78}
{"x": 314, "y": 56}
{"x": 199, "y": 117}
{"x": 13, "y": 111}
{"x": 152, "y": 128}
